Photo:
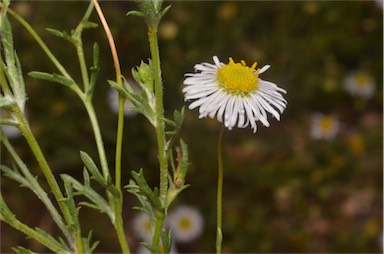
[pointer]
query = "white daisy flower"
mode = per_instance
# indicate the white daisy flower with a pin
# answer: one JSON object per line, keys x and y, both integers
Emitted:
{"x": 360, "y": 84}
{"x": 324, "y": 126}
{"x": 186, "y": 223}
{"x": 234, "y": 93}
{"x": 113, "y": 100}
{"x": 142, "y": 227}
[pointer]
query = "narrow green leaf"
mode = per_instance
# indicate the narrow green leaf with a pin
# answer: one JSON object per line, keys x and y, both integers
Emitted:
{"x": 184, "y": 160}
{"x": 88, "y": 24}
{"x": 144, "y": 187}
{"x": 92, "y": 195}
{"x": 15, "y": 175}
{"x": 95, "y": 69}
{"x": 51, "y": 238}
{"x": 164, "y": 11}
{"x": 10, "y": 122}
{"x": 22, "y": 250}
{"x": 53, "y": 78}
{"x": 20, "y": 94}
{"x": 91, "y": 166}
{"x": 170, "y": 122}
{"x": 64, "y": 35}
{"x": 86, "y": 177}
{"x": 135, "y": 13}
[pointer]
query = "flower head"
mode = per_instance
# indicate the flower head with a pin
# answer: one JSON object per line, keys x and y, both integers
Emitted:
{"x": 324, "y": 126}
{"x": 360, "y": 84}
{"x": 113, "y": 101}
{"x": 186, "y": 223}
{"x": 234, "y": 93}
{"x": 142, "y": 226}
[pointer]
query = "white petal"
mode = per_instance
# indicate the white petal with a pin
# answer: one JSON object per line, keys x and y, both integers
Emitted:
{"x": 197, "y": 103}
{"x": 264, "y": 68}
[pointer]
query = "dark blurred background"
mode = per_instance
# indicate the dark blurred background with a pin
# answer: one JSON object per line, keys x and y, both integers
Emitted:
{"x": 284, "y": 191}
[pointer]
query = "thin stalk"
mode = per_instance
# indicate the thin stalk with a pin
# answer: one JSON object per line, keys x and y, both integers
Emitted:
{"x": 219, "y": 235}
{"x": 99, "y": 140}
{"x": 120, "y": 125}
{"x": 153, "y": 43}
{"x": 83, "y": 65}
{"x": 8, "y": 217}
{"x": 158, "y": 228}
{"x": 80, "y": 49}
{"x": 36, "y": 188}
{"x": 30, "y": 138}
{"x": 118, "y": 201}
{"x": 41, "y": 43}
{"x": 154, "y": 47}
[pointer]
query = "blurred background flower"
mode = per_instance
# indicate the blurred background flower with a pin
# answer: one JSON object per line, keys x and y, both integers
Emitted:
{"x": 113, "y": 100}
{"x": 142, "y": 228}
{"x": 186, "y": 223}
{"x": 360, "y": 84}
{"x": 324, "y": 126}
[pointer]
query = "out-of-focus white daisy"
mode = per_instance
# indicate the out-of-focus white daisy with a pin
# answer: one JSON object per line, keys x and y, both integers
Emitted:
{"x": 360, "y": 84}
{"x": 379, "y": 3}
{"x": 233, "y": 93}
{"x": 186, "y": 223}
{"x": 142, "y": 227}
{"x": 9, "y": 130}
{"x": 113, "y": 100}
{"x": 324, "y": 126}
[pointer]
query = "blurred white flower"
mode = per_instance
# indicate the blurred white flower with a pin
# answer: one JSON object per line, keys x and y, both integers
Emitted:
{"x": 379, "y": 3}
{"x": 233, "y": 93}
{"x": 113, "y": 100}
{"x": 186, "y": 223}
{"x": 10, "y": 131}
{"x": 360, "y": 84}
{"x": 142, "y": 227}
{"x": 324, "y": 126}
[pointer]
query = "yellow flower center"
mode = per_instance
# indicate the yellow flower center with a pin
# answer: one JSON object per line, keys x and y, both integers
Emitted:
{"x": 238, "y": 78}
{"x": 185, "y": 223}
{"x": 363, "y": 79}
{"x": 326, "y": 123}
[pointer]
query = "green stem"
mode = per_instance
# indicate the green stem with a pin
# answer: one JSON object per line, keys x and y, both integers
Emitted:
{"x": 40, "y": 42}
{"x": 8, "y": 217}
{"x": 119, "y": 226}
{"x": 99, "y": 140}
{"x": 154, "y": 47}
{"x": 83, "y": 65}
{"x": 158, "y": 228}
{"x": 80, "y": 49}
{"x": 36, "y": 188}
{"x": 153, "y": 43}
{"x": 219, "y": 235}
{"x": 30, "y": 138}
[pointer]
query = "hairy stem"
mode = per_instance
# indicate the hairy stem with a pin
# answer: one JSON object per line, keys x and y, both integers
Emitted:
{"x": 152, "y": 33}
